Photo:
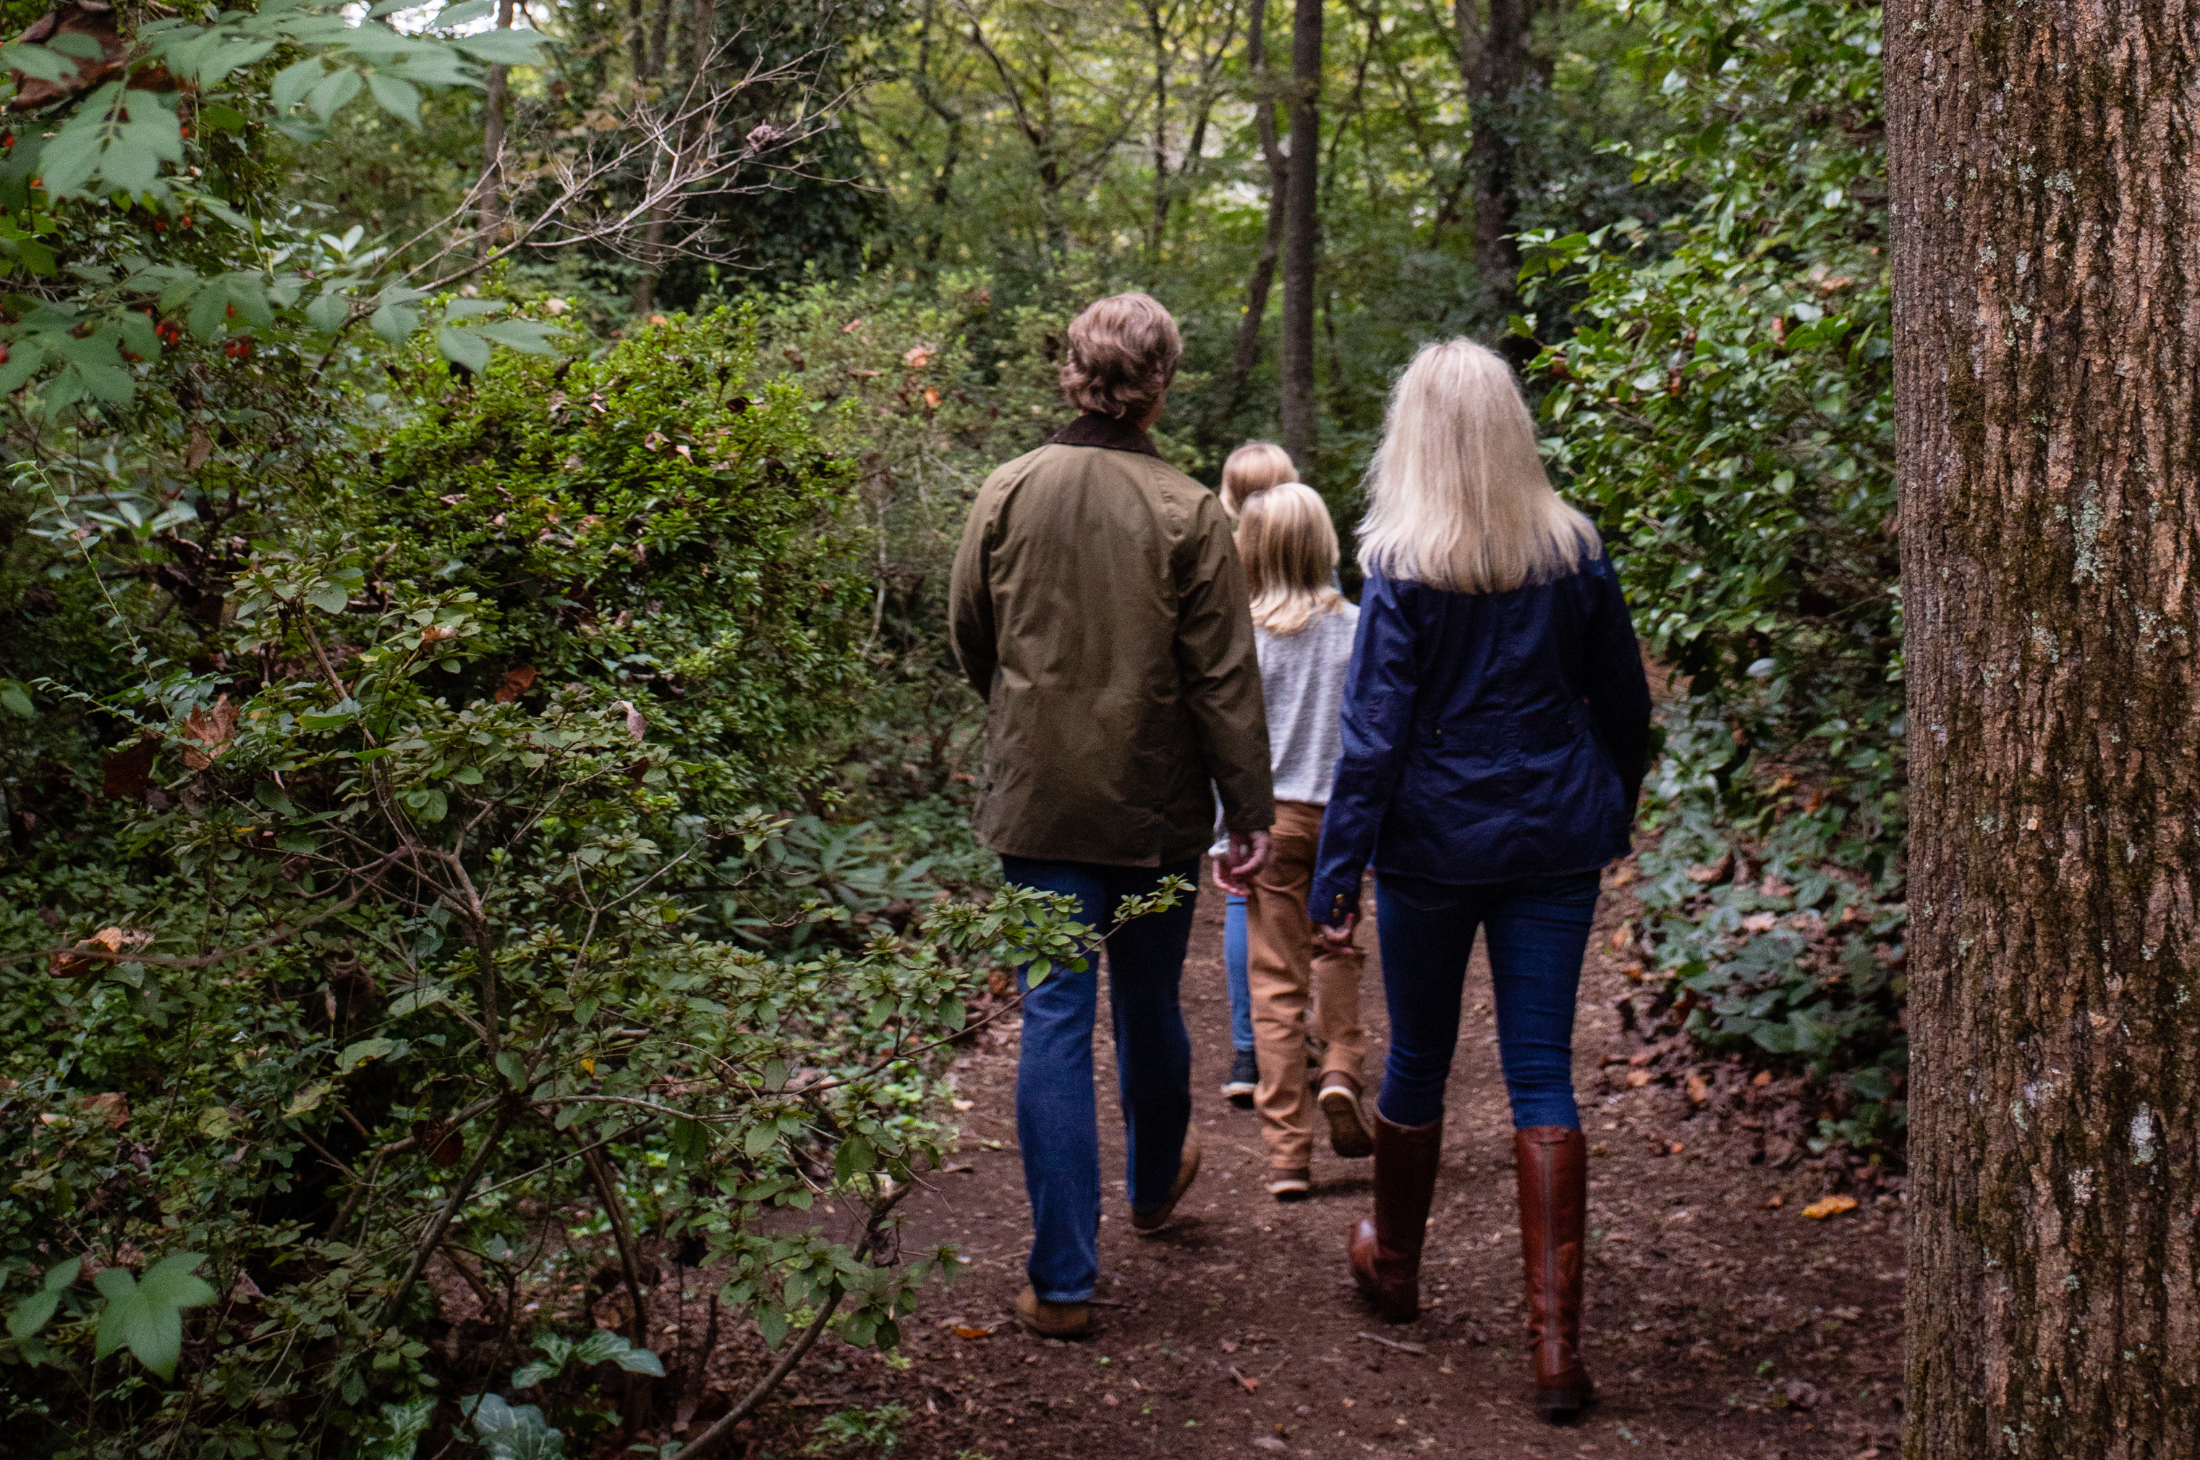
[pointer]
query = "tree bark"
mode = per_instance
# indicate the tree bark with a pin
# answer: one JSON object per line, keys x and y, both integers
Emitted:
{"x": 1301, "y": 238}
{"x": 2047, "y": 310}
{"x": 1496, "y": 74}
{"x": 496, "y": 115}
{"x": 1250, "y": 325}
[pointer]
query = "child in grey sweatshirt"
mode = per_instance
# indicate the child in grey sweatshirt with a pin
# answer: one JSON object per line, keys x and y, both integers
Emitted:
{"x": 1303, "y": 629}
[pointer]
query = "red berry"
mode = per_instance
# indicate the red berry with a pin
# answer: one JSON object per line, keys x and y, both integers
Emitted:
{"x": 239, "y": 348}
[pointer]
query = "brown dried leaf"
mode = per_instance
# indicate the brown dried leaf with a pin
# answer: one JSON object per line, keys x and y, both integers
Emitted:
{"x": 1699, "y": 1089}
{"x": 519, "y": 679}
{"x": 111, "y": 1107}
{"x": 1829, "y": 1206}
{"x": 210, "y": 728}
{"x": 1636, "y": 1079}
{"x": 918, "y": 356}
{"x": 966, "y": 1330}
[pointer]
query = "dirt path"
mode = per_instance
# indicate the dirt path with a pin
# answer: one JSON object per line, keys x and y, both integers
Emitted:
{"x": 1716, "y": 1326}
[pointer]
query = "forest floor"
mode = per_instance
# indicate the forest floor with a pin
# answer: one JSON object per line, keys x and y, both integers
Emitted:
{"x": 1721, "y": 1321}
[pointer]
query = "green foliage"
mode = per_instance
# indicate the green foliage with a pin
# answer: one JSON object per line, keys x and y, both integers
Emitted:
{"x": 1724, "y": 408}
{"x": 872, "y": 1431}
{"x": 154, "y": 196}
{"x": 378, "y": 947}
{"x": 1774, "y": 925}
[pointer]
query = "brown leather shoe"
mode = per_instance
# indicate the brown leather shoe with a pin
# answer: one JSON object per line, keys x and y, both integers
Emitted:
{"x": 1340, "y": 1103}
{"x": 1553, "y": 1166}
{"x": 1148, "y": 1224}
{"x": 1052, "y": 1320}
{"x": 1386, "y": 1252}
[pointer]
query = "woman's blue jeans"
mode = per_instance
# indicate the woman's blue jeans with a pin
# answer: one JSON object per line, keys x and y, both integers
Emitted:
{"x": 1057, "y": 1118}
{"x": 1235, "y": 954}
{"x": 1538, "y": 931}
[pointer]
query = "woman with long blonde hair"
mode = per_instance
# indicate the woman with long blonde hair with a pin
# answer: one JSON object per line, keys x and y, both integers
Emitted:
{"x": 1302, "y": 631}
{"x": 1496, "y": 724}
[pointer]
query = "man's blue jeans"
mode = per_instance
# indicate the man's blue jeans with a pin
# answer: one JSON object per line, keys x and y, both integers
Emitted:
{"x": 1057, "y": 1120}
{"x": 1235, "y": 957}
{"x": 1538, "y": 931}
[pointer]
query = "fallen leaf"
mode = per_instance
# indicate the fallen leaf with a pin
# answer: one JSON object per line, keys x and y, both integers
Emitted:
{"x": 111, "y": 1107}
{"x": 1229, "y": 1347}
{"x": 211, "y": 729}
{"x": 917, "y": 357}
{"x": 1270, "y": 1442}
{"x": 963, "y": 1104}
{"x": 1249, "y": 1384}
{"x": 1759, "y": 922}
{"x": 932, "y": 397}
{"x": 1774, "y": 887}
{"x": 965, "y": 1330}
{"x": 1774, "y": 1202}
{"x": 851, "y": 326}
{"x": 1829, "y": 1206}
{"x": 519, "y": 679}
{"x": 1710, "y": 871}
{"x": 1699, "y": 1089}
{"x": 1764, "y": 1078}
{"x": 1636, "y": 1079}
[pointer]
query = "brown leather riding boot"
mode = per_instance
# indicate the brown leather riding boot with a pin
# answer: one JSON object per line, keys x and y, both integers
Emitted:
{"x": 1386, "y": 1252}
{"x": 1554, "y": 1220}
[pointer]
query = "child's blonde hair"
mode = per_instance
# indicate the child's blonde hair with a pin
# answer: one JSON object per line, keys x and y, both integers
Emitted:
{"x": 1456, "y": 496}
{"x": 1254, "y": 467}
{"x": 1289, "y": 548}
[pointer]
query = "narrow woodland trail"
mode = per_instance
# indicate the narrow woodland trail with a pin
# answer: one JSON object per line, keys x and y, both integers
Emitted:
{"x": 1716, "y": 1326}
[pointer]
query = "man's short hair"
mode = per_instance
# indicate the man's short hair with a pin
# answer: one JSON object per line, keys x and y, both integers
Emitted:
{"x": 1123, "y": 352}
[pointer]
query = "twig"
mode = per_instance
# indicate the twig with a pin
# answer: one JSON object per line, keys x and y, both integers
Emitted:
{"x": 441, "y": 1222}
{"x": 1404, "y": 1348}
{"x": 764, "y": 1386}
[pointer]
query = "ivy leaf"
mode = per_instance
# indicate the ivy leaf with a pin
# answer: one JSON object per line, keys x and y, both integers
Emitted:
{"x": 147, "y": 1316}
{"x": 605, "y": 1347}
{"x": 514, "y": 1432}
{"x": 18, "y": 702}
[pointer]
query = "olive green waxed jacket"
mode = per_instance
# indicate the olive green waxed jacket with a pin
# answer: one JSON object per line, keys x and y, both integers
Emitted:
{"x": 1098, "y": 605}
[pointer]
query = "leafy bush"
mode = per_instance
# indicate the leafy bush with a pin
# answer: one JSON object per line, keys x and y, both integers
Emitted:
{"x": 1725, "y": 410}
{"x": 427, "y": 923}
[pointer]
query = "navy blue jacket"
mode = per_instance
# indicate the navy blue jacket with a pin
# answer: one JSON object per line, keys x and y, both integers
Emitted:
{"x": 1487, "y": 736}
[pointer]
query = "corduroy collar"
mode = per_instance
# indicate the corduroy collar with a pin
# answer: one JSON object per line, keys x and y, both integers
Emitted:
{"x": 1109, "y": 432}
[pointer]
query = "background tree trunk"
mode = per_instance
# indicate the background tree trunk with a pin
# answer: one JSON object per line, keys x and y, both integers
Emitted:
{"x": 496, "y": 106}
{"x": 2047, "y": 298}
{"x": 1496, "y": 74}
{"x": 1279, "y": 190}
{"x": 1301, "y": 240}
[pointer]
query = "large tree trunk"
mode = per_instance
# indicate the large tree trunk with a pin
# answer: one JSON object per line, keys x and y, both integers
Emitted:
{"x": 2047, "y": 286}
{"x": 1496, "y": 75}
{"x": 1279, "y": 191}
{"x": 1301, "y": 240}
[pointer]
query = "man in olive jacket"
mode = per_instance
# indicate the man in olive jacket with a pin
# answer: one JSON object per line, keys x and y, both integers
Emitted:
{"x": 1099, "y": 608}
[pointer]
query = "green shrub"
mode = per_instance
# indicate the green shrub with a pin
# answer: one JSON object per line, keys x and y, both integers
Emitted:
{"x": 383, "y": 953}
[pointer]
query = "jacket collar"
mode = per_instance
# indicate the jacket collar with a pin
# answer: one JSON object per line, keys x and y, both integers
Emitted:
{"x": 1108, "y": 432}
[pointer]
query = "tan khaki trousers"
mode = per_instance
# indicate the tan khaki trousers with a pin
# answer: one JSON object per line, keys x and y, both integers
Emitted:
{"x": 1284, "y": 969}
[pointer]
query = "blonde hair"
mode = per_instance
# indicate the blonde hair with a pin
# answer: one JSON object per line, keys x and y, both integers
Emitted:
{"x": 1456, "y": 495}
{"x": 1289, "y": 548}
{"x": 1254, "y": 467}
{"x": 1123, "y": 352}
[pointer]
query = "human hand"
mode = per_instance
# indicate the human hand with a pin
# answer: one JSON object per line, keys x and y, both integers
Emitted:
{"x": 1337, "y": 937}
{"x": 1247, "y": 855}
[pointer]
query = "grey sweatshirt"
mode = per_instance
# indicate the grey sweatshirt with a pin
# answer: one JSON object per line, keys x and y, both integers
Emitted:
{"x": 1302, "y": 678}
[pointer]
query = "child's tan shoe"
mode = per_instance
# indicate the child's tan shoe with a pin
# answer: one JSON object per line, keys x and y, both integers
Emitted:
{"x": 1052, "y": 1320}
{"x": 1349, "y": 1135}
